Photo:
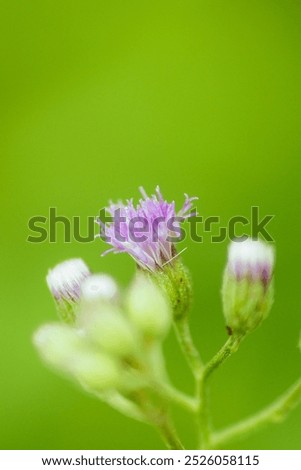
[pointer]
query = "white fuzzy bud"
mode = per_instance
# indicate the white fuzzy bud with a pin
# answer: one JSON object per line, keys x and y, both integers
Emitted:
{"x": 64, "y": 282}
{"x": 99, "y": 287}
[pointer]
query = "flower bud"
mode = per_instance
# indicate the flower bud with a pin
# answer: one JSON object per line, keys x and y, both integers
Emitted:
{"x": 57, "y": 343}
{"x": 95, "y": 371}
{"x": 110, "y": 330}
{"x": 64, "y": 282}
{"x": 148, "y": 307}
{"x": 99, "y": 287}
{"x": 67, "y": 350}
{"x": 247, "y": 290}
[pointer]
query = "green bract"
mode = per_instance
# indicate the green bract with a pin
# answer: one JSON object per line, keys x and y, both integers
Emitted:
{"x": 175, "y": 280}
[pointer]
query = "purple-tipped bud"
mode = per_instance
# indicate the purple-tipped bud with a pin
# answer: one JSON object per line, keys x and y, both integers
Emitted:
{"x": 64, "y": 282}
{"x": 247, "y": 287}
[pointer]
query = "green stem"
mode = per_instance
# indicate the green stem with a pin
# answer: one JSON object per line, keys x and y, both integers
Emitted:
{"x": 187, "y": 345}
{"x": 203, "y": 416}
{"x": 168, "y": 433}
{"x": 220, "y": 357}
{"x": 201, "y": 374}
{"x": 170, "y": 393}
{"x": 166, "y": 391}
{"x": 230, "y": 346}
{"x": 159, "y": 418}
{"x": 125, "y": 406}
{"x": 274, "y": 413}
{"x": 197, "y": 367}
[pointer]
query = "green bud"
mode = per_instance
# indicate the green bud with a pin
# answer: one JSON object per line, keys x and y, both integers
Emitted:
{"x": 57, "y": 343}
{"x": 99, "y": 293}
{"x": 148, "y": 307}
{"x": 248, "y": 290}
{"x": 67, "y": 350}
{"x": 99, "y": 287}
{"x": 95, "y": 371}
{"x": 110, "y": 330}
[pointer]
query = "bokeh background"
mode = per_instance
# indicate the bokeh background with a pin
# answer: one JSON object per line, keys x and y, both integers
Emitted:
{"x": 98, "y": 98}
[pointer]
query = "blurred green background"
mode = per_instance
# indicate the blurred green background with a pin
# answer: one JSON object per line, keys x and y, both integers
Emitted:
{"x": 98, "y": 98}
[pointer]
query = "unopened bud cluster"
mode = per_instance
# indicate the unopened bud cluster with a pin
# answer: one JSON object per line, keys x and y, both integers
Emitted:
{"x": 102, "y": 342}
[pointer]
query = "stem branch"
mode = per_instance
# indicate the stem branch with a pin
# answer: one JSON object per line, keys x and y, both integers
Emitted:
{"x": 187, "y": 345}
{"x": 158, "y": 417}
{"x": 174, "y": 395}
{"x": 220, "y": 357}
{"x": 169, "y": 434}
{"x": 274, "y": 413}
{"x": 230, "y": 346}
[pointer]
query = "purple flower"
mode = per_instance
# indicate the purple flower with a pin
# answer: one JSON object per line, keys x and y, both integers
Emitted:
{"x": 146, "y": 232}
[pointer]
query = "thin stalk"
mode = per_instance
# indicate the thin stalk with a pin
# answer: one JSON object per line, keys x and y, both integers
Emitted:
{"x": 168, "y": 433}
{"x": 187, "y": 345}
{"x": 274, "y": 413}
{"x": 159, "y": 418}
{"x": 203, "y": 416}
{"x": 125, "y": 406}
{"x": 204, "y": 425}
{"x": 168, "y": 392}
{"x": 230, "y": 347}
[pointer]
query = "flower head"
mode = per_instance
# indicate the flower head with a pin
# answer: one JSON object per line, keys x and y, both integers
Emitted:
{"x": 146, "y": 231}
{"x": 247, "y": 287}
